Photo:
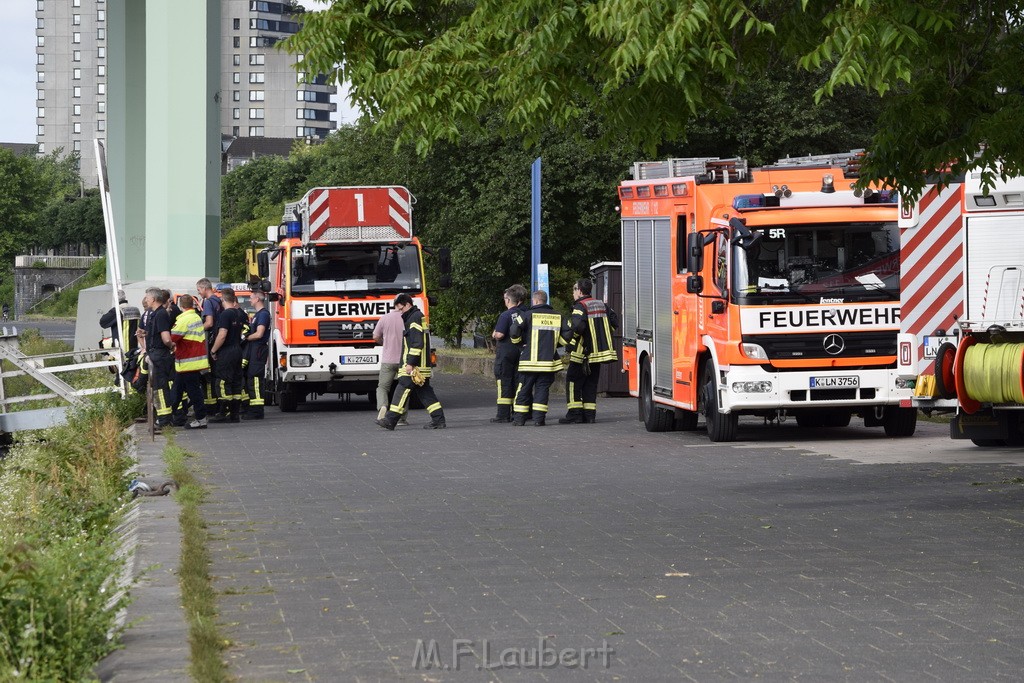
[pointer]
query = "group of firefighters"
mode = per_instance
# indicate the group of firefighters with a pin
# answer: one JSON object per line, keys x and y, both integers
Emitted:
{"x": 204, "y": 352}
{"x": 529, "y": 338}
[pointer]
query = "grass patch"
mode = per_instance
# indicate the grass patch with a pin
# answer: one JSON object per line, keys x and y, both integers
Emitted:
{"x": 197, "y": 594}
{"x": 465, "y": 353}
{"x": 63, "y": 493}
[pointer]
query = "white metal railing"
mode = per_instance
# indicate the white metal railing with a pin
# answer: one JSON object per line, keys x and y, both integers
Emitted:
{"x": 55, "y": 261}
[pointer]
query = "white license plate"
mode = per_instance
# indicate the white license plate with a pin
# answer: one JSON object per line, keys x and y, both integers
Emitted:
{"x": 358, "y": 360}
{"x": 848, "y": 382}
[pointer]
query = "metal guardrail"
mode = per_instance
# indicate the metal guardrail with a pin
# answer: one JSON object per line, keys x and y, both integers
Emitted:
{"x": 29, "y": 261}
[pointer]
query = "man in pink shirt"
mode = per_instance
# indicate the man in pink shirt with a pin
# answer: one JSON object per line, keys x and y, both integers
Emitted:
{"x": 389, "y": 331}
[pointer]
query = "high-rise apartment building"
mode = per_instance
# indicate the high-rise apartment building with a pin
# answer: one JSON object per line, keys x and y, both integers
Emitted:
{"x": 261, "y": 93}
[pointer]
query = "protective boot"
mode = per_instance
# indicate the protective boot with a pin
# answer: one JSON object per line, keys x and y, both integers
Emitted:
{"x": 436, "y": 420}
{"x": 254, "y": 413}
{"x": 573, "y": 416}
{"x": 222, "y": 414}
{"x": 519, "y": 419}
{"x": 234, "y": 407}
{"x": 389, "y": 421}
{"x": 589, "y": 417}
{"x": 539, "y": 418}
{"x": 504, "y": 415}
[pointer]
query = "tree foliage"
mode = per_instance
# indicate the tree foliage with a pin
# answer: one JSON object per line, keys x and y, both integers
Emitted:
{"x": 948, "y": 75}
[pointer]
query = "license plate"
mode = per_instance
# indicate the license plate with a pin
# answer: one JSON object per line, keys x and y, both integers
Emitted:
{"x": 358, "y": 360}
{"x": 848, "y": 382}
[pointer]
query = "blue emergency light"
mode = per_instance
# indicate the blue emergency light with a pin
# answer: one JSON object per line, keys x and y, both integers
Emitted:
{"x": 754, "y": 201}
{"x": 293, "y": 229}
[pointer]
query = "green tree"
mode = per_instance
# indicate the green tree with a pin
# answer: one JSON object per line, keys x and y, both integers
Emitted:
{"x": 948, "y": 74}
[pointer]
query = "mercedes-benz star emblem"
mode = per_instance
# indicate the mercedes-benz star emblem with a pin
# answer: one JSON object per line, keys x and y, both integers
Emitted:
{"x": 834, "y": 344}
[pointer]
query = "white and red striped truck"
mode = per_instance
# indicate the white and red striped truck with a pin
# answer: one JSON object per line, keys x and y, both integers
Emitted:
{"x": 334, "y": 267}
{"x": 962, "y": 279}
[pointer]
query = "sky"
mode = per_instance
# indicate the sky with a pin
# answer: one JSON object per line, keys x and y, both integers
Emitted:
{"x": 17, "y": 71}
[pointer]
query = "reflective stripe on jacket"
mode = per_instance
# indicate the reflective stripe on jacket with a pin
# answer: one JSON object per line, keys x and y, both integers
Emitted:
{"x": 190, "y": 342}
{"x": 541, "y": 330}
{"x": 592, "y": 325}
{"x": 415, "y": 343}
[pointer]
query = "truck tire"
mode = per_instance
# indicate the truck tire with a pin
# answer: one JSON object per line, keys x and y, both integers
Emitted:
{"x": 721, "y": 427}
{"x": 945, "y": 383}
{"x": 287, "y": 400}
{"x": 899, "y": 422}
{"x": 655, "y": 419}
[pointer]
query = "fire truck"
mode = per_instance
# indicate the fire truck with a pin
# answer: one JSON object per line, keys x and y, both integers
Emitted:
{"x": 333, "y": 268}
{"x": 963, "y": 306}
{"x": 770, "y": 291}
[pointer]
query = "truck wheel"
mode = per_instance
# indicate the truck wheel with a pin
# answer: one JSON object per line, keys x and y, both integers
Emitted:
{"x": 655, "y": 419}
{"x": 721, "y": 427}
{"x": 988, "y": 443}
{"x": 899, "y": 422}
{"x": 945, "y": 383}
{"x": 287, "y": 400}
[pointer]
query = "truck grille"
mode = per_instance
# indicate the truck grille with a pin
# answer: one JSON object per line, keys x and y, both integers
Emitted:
{"x": 346, "y": 330}
{"x": 795, "y": 346}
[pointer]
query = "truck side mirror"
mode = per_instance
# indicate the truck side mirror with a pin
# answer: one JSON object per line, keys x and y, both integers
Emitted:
{"x": 694, "y": 284}
{"x": 444, "y": 261}
{"x": 445, "y": 281}
{"x": 274, "y": 296}
{"x": 263, "y": 265}
{"x": 431, "y": 299}
{"x": 694, "y": 256}
{"x": 266, "y": 286}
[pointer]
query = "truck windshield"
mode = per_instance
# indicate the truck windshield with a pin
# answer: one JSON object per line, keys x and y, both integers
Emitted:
{"x": 791, "y": 263}
{"x": 329, "y": 269}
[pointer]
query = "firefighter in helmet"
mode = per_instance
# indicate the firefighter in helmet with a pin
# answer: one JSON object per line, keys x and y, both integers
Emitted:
{"x": 592, "y": 322}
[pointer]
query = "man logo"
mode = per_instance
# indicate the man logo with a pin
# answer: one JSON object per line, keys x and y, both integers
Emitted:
{"x": 834, "y": 344}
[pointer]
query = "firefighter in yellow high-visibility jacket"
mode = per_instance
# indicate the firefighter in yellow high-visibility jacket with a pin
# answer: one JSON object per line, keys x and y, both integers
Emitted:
{"x": 541, "y": 330}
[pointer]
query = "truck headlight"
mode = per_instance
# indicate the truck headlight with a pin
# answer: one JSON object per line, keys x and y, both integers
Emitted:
{"x": 761, "y": 387}
{"x": 754, "y": 351}
{"x": 301, "y": 360}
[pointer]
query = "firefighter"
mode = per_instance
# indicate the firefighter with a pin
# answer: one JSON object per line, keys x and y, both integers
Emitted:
{"x": 416, "y": 352}
{"x": 256, "y": 350}
{"x": 226, "y": 353}
{"x": 506, "y": 356}
{"x": 130, "y": 316}
{"x": 541, "y": 330}
{"x": 211, "y": 308}
{"x": 190, "y": 360}
{"x": 158, "y": 350}
{"x": 592, "y": 322}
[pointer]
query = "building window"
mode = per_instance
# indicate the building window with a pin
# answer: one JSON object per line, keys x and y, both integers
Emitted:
{"x": 256, "y": 113}
{"x": 40, "y": 94}
{"x": 256, "y": 95}
{"x": 77, "y": 145}
{"x": 101, "y": 88}
{"x": 257, "y": 60}
{"x": 236, "y": 41}
{"x": 76, "y": 128}
{"x": 76, "y": 37}
{"x": 76, "y": 55}
{"x": 41, "y": 112}
{"x": 76, "y": 19}
{"x": 76, "y": 91}
{"x": 236, "y": 77}
{"x": 40, "y": 59}
{"x": 257, "y": 77}
{"x": 76, "y": 74}
{"x": 234, "y": 131}
{"x": 40, "y": 77}
{"x": 40, "y": 41}
{"x": 237, "y": 60}
{"x": 76, "y": 3}
{"x": 101, "y": 107}
{"x": 101, "y": 71}
{"x": 42, "y": 148}
{"x": 254, "y": 131}
{"x": 300, "y": 77}
{"x": 76, "y": 110}
{"x": 39, "y": 23}
{"x": 236, "y": 96}
{"x": 101, "y": 52}
{"x": 40, "y": 129}
{"x": 39, "y": 5}
{"x": 236, "y": 113}
{"x": 101, "y": 15}
{"x": 101, "y": 34}
{"x": 236, "y": 23}
{"x": 101, "y": 124}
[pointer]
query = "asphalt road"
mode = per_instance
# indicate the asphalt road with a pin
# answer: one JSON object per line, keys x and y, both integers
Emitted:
{"x": 491, "y": 552}
{"x": 54, "y": 328}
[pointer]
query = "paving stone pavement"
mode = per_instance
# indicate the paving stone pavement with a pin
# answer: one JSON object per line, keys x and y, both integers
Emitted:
{"x": 342, "y": 552}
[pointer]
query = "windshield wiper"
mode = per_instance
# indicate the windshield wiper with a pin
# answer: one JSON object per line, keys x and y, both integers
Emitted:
{"x": 784, "y": 290}
{"x": 869, "y": 287}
